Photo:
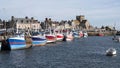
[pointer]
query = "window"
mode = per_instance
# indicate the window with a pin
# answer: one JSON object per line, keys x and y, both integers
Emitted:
{"x": 27, "y": 21}
{"x": 21, "y": 21}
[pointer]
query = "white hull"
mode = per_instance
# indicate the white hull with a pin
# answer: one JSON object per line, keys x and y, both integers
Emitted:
{"x": 111, "y": 52}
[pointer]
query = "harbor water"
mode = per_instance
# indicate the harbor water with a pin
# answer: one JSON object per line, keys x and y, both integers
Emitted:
{"x": 80, "y": 53}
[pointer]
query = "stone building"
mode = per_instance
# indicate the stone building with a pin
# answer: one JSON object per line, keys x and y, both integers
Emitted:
{"x": 25, "y": 24}
{"x": 1, "y": 24}
{"x": 75, "y": 24}
{"x": 81, "y": 23}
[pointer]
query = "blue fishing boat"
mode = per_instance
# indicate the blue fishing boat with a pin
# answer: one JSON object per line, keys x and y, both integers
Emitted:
{"x": 38, "y": 40}
{"x": 76, "y": 35}
{"x": 15, "y": 43}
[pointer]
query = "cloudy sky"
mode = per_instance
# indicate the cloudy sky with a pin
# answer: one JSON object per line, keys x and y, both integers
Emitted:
{"x": 97, "y": 12}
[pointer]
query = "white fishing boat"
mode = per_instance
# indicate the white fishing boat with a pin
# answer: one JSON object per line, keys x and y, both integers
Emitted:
{"x": 116, "y": 38}
{"x": 85, "y": 34}
{"x": 111, "y": 52}
{"x": 69, "y": 36}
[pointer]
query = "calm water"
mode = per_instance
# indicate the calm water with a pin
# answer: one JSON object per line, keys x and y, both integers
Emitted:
{"x": 80, "y": 53}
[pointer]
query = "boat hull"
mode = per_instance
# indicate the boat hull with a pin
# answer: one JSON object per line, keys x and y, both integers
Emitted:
{"x": 76, "y": 35}
{"x": 14, "y": 43}
{"x": 38, "y": 41}
{"x": 50, "y": 38}
{"x": 69, "y": 37}
{"x": 59, "y": 37}
{"x": 111, "y": 52}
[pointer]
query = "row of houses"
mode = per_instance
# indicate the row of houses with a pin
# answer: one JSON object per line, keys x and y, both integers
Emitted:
{"x": 22, "y": 24}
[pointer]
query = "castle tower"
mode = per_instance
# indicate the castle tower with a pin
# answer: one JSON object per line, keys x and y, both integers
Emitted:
{"x": 80, "y": 18}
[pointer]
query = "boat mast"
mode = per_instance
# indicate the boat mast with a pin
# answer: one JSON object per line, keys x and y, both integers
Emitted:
{"x": 114, "y": 30}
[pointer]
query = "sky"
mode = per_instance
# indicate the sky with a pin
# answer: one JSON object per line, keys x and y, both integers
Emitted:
{"x": 97, "y": 12}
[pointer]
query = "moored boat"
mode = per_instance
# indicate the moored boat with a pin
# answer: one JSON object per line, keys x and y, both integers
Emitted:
{"x": 69, "y": 37}
{"x": 76, "y": 34}
{"x": 50, "y": 38}
{"x": 100, "y": 34}
{"x": 15, "y": 43}
{"x": 81, "y": 34}
{"x": 38, "y": 40}
{"x": 116, "y": 38}
{"x": 59, "y": 37}
{"x": 85, "y": 34}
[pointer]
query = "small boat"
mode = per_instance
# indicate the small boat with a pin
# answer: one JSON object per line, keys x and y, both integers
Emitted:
{"x": 111, "y": 52}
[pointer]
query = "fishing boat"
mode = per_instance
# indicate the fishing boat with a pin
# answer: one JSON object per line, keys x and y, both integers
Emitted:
{"x": 59, "y": 37}
{"x": 38, "y": 40}
{"x": 111, "y": 52}
{"x": 85, "y": 34}
{"x": 50, "y": 38}
{"x": 116, "y": 38}
{"x": 69, "y": 36}
{"x": 76, "y": 34}
{"x": 100, "y": 34}
{"x": 81, "y": 34}
{"x": 15, "y": 43}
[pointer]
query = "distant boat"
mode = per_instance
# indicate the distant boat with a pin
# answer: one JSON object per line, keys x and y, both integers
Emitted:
{"x": 117, "y": 39}
{"x": 76, "y": 34}
{"x": 100, "y": 34}
{"x": 115, "y": 36}
{"x": 69, "y": 37}
{"x": 118, "y": 33}
{"x": 85, "y": 34}
{"x": 111, "y": 52}
{"x": 81, "y": 34}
